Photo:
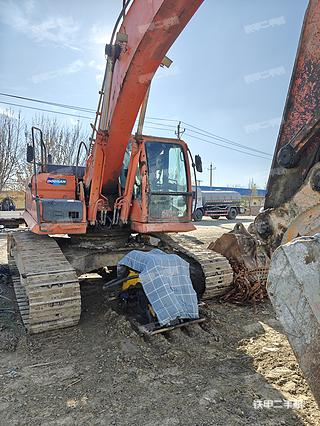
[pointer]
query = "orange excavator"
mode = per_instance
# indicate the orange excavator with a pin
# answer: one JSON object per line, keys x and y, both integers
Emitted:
{"x": 133, "y": 190}
{"x": 134, "y": 54}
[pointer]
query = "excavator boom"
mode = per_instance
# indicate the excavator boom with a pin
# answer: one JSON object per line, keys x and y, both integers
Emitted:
{"x": 108, "y": 191}
{"x": 148, "y": 33}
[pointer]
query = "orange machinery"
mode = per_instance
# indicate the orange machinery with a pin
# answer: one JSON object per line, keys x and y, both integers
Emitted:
{"x": 131, "y": 185}
{"x": 152, "y": 191}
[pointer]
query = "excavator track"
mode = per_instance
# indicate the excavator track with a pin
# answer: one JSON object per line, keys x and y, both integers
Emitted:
{"x": 214, "y": 269}
{"x": 46, "y": 286}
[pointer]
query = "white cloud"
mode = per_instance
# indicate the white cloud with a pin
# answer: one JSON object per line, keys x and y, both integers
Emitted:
{"x": 162, "y": 72}
{"x": 29, "y": 6}
{"x": 99, "y": 77}
{"x": 72, "y": 68}
{"x": 100, "y": 35}
{"x": 95, "y": 65}
{"x": 99, "y": 67}
{"x": 59, "y": 30}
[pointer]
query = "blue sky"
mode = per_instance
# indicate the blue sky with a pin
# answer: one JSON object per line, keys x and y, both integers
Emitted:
{"x": 231, "y": 70}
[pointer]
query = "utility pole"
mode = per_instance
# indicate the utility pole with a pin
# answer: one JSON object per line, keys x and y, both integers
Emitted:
{"x": 179, "y": 131}
{"x": 211, "y": 170}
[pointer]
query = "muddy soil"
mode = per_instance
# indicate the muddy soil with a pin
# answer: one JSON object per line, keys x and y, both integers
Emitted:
{"x": 102, "y": 372}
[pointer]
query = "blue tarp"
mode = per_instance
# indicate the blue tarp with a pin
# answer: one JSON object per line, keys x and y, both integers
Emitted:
{"x": 166, "y": 281}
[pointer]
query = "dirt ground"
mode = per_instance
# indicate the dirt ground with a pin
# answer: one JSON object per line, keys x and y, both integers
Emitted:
{"x": 229, "y": 371}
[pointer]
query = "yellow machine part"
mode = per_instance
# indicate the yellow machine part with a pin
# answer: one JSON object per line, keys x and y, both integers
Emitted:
{"x": 130, "y": 281}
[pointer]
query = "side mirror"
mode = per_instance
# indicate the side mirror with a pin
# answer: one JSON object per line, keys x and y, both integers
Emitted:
{"x": 30, "y": 154}
{"x": 198, "y": 163}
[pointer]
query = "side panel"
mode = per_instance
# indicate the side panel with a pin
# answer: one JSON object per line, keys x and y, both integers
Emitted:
{"x": 57, "y": 211}
{"x": 55, "y": 186}
{"x": 61, "y": 210}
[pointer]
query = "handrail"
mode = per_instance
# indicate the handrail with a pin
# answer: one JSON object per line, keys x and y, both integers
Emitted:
{"x": 82, "y": 143}
{"x": 43, "y": 164}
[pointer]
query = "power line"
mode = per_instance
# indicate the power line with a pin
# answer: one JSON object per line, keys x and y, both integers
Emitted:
{"x": 73, "y": 107}
{"x": 45, "y": 110}
{"x": 157, "y": 128}
{"x": 212, "y": 143}
{"x": 227, "y": 147}
{"x": 222, "y": 139}
{"x": 150, "y": 127}
{"x": 49, "y": 103}
{"x": 167, "y": 127}
{"x": 163, "y": 119}
{"x": 76, "y": 108}
{"x": 210, "y": 135}
{"x": 160, "y": 124}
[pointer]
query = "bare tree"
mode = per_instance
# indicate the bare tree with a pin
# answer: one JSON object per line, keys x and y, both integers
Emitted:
{"x": 62, "y": 141}
{"x": 10, "y": 148}
{"x": 253, "y": 186}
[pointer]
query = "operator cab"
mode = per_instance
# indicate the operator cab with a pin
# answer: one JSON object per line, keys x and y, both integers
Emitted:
{"x": 168, "y": 182}
{"x": 162, "y": 193}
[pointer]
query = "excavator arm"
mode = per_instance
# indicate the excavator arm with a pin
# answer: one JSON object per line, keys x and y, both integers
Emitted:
{"x": 297, "y": 148}
{"x": 108, "y": 191}
{"x": 285, "y": 230}
{"x": 145, "y": 36}
{"x": 291, "y": 222}
{"x": 292, "y": 200}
